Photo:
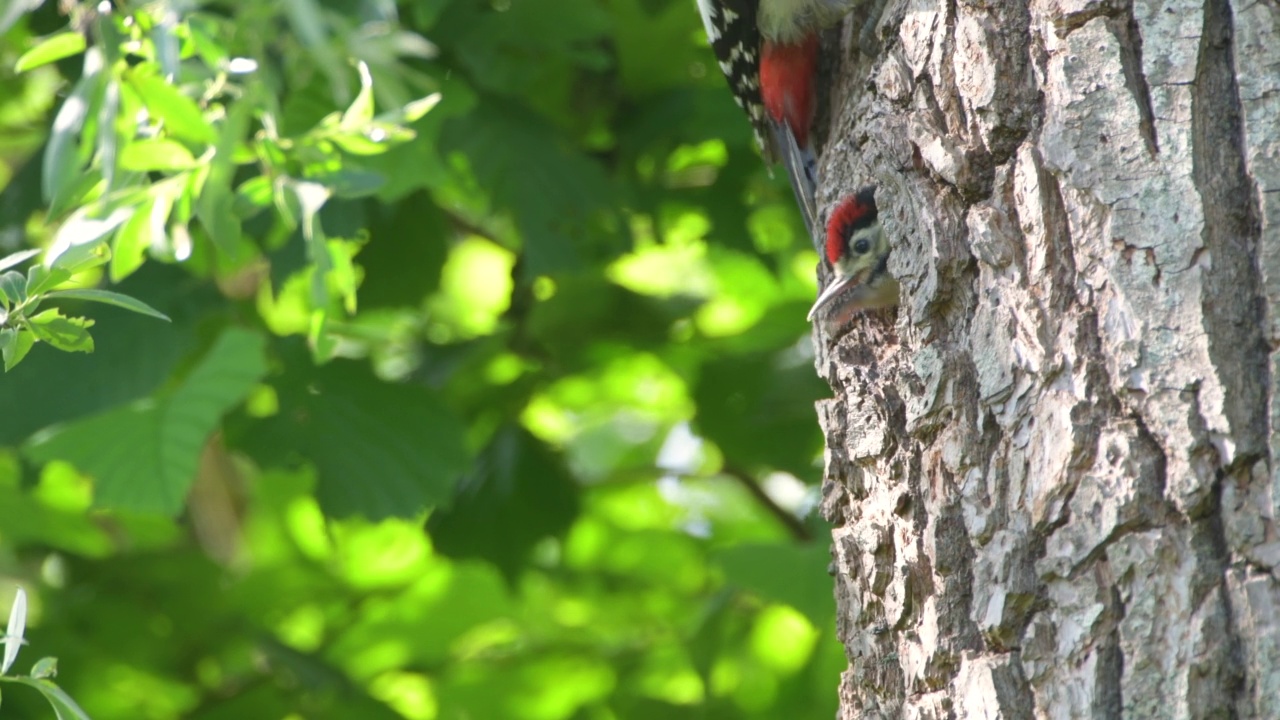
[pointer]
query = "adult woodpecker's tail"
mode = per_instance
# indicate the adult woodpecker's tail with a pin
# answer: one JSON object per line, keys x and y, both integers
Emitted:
{"x": 802, "y": 171}
{"x": 768, "y": 51}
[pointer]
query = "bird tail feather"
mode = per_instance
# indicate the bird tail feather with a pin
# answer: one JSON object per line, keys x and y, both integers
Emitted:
{"x": 802, "y": 171}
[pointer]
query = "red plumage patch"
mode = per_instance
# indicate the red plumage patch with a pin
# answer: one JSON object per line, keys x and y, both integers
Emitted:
{"x": 853, "y": 211}
{"x": 786, "y": 84}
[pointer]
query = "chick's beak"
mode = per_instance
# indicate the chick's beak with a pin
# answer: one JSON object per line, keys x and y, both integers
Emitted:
{"x": 836, "y": 287}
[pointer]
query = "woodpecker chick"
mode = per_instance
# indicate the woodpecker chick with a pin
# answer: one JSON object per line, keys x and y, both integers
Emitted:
{"x": 858, "y": 253}
{"x": 768, "y": 51}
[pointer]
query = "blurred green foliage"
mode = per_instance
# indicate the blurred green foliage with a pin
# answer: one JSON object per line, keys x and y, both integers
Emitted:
{"x": 486, "y": 391}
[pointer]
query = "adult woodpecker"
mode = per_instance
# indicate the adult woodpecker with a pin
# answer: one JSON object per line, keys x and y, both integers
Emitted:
{"x": 768, "y": 51}
{"x": 858, "y": 253}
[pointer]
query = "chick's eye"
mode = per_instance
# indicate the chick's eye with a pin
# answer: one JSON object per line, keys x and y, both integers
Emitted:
{"x": 862, "y": 246}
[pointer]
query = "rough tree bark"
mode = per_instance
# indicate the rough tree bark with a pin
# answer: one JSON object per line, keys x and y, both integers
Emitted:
{"x": 1052, "y": 470}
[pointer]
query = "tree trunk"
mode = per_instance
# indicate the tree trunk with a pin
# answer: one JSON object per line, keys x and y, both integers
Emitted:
{"x": 1051, "y": 470}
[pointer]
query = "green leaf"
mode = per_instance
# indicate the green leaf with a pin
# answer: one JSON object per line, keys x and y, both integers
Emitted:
{"x": 207, "y": 43}
{"x": 216, "y": 204}
{"x": 14, "y": 9}
{"x": 129, "y": 245}
{"x": 403, "y": 273}
{"x": 144, "y": 456}
{"x": 415, "y": 110}
{"x": 62, "y": 162}
{"x": 45, "y": 667}
{"x": 51, "y": 49}
{"x": 63, "y": 706}
{"x": 349, "y": 183}
{"x": 14, "y": 630}
{"x": 41, "y": 278}
{"x": 323, "y": 344}
{"x": 110, "y": 298}
{"x": 343, "y": 274}
{"x": 361, "y": 110}
{"x": 520, "y": 489}
{"x": 379, "y": 449}
{"x": 85, "y": 256}
{"x": 423, "y": 163}
{"x": 79, "y": 245}
{"x": 15, "y": 344}
{"x": 108, "y": 139}
{"x": 311, "y": 198}
{"x": 156, "y": 154}
{"x": 13, "y": 288}
{"x": 181, "y": 115}
{"x": 306, "y": 19}
{"x": 70, "y": 334}
{"x": 370, "y": 140}
{"x": 256, "y": 192}
{"x": 553, "y": 191}
{"x": 164, "y": 37}
{"x": 18, "y": 258}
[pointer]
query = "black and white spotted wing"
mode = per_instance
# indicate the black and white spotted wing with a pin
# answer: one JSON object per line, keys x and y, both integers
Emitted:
{"x": 735, "y": 37}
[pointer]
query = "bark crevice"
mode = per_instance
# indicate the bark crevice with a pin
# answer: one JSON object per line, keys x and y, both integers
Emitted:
{"x": 1233, "y": 302}
{"x": 1125, "y": 27}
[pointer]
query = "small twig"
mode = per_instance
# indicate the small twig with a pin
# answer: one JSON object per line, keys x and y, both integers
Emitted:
{"x": 793, "y": 524}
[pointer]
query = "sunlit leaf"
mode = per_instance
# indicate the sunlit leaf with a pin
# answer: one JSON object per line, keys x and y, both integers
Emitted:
{"x": 70, "y": 334}
{"x": 370, "y": 140}
{"x": 129, "y": 244}
{"x": 18, "y": 258}
{"x": 14, "y": 631}
{"x": 322, "y": 343}
{"x": 311, "y": 198}
{"x": 61, "y": 157}
{"x": 206, "y": 42}
{"x": 414, "y": 111}
{"x": 41, "y": 278}
{"x": 255, "y": 192}
{"x": 108, "y": 139}
{"x": 181, "y": 115}
{"x": 110, "y": 298}
{"x": 360, "y": 111}
{"x": 156, "y": 154}
{"x": 216, "y": 204}
{"x": 79, "y": 245}
{"x": 51, "y": 49}
{"x": 343, "y": 274}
